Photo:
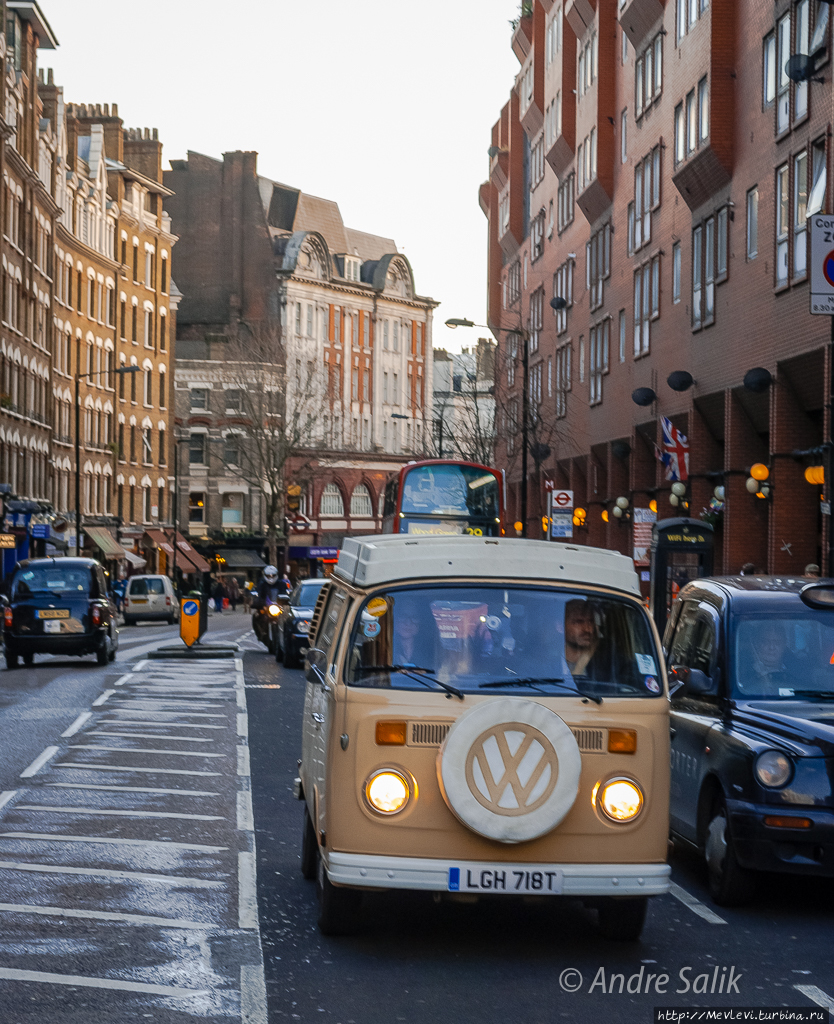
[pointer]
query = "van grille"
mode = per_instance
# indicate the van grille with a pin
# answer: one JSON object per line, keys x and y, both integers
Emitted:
{"x": 427, "y": 734}
{"x": 590, "y": 741}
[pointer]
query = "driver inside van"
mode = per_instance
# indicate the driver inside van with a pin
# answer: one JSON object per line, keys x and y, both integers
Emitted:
{"x": 583, "y": 652}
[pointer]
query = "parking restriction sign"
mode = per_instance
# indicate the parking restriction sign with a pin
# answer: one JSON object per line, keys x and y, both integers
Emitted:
{"x": 822, "y": 264}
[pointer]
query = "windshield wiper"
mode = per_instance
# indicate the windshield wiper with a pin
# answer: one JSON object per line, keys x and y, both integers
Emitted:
{"x": 533, "y": 680}
{"x": 411, "y": 671}
{"x": 820, "y": 694}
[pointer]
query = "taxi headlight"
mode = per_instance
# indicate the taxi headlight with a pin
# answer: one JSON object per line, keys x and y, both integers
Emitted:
{"x": 303, "y": 626}
{"x": 773, "y": 768}
{"x": 274, "y": 609}
{"x": 388, "y": 791}
{"x": 619, "y": 799}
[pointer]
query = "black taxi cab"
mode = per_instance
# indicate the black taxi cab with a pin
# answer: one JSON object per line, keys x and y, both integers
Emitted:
{"x": 58, "y": 606}
{"x": 751, "y": 679}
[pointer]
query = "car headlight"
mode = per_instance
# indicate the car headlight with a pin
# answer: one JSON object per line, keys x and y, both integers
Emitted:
{"x": 388, "y": 791}
{"x": 773, "y": 768}
{"x": 303, "y": 626}
{"x": 274, "y": 609}
{"x": 619, "y": 799}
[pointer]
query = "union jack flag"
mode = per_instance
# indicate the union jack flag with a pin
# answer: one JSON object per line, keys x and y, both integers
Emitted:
{"x": 674, "y": 453}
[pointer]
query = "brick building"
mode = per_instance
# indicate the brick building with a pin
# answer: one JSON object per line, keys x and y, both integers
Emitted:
{"x": 655, "y": 168}
{"x": 255, "y": 258}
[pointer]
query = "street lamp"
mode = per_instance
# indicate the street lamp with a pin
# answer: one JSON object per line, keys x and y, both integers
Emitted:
{"x": 121, "y": 371}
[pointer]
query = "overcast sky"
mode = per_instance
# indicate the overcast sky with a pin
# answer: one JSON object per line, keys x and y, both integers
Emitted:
{"x": 384, "y": 107}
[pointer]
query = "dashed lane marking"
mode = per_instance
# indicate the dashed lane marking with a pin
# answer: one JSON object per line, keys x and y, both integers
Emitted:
{"x": 130, "y": 876}
{"x": 77, "y": 724}
{"x": 8, "y": 795}
{"x": 142, "y": 750}
{"x": 39, "y": 762}
{"x": 253, "y": 1007}
{"x": 123, "y": 679}
{"x": 104, "y": 915}
{"x": 149, "y": 711}
{"x": 7, "y": 974}
{"x": 695, "y": 904}
{"x": 816, "y": 995}
{"x": 243, "y": 760}
{"x": 59, "y": 837}
{"x": 168, "y": 725}
{"x": 111, "y": 813}
{"x": 247, "y": 901}
{"x": 245, "y": 817}
{"x": 100, "y": 700}
{"x": 243, "y": 725}
{"x": 130, "y": 768}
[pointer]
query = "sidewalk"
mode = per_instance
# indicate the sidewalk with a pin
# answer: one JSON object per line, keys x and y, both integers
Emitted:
{"x": 127, "y": 858}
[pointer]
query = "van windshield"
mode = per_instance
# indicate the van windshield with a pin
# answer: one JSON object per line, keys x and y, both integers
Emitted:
{"x": 148, "y": 585}
{"x": 493, "y": 639}
{"x": 784, "y": 654}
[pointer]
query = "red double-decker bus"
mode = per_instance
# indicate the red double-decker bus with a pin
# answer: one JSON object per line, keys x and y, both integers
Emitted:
{"x": 441, "y": 496}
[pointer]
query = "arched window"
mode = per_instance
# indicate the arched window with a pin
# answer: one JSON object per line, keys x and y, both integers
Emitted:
{"x": 331, "y": 501}
{"x": 360, "y": 502}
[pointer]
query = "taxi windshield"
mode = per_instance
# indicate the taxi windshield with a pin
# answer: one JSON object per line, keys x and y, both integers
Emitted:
{"x": 785, "y": 654}
{"x": 496, "y": 639}
{"x": 52, "y": 580}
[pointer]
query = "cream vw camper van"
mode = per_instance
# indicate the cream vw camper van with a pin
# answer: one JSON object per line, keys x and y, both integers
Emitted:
{"x": 484, "y": 717}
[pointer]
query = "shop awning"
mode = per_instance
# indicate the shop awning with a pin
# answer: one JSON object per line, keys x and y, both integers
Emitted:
{"x": 197, "y": 560}
{"x": 240, "y": 558}
{"x": 135, "y": 560}
{"x": 104, "y": 540}
{"x": 159, "y": 540}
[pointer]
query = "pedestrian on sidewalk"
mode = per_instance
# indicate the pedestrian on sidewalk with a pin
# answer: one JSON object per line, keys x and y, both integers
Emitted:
{"x": 219, "y": 593}
{"x": 247, "y": 597}
{"x": 234, "y": 593}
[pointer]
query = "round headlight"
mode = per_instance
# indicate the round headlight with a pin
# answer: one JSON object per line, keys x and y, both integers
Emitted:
{"x": 274, "y": 609}
{"x": 387, "y": 791}
{"x": 620, "y": 800}
{"x": 773, "y": 768}
{"x": 303, "y": 626}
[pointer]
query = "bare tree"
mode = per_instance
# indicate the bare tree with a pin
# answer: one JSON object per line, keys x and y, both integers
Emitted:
{"x": 277, "y": 398}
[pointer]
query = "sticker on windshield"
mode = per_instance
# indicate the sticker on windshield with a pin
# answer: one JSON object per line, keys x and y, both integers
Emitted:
{"x": 372, "y": 629}
{"x": 645, "y": 664}
{"x": 651, "y": 683}
{"x": 785, "y": 691}
{"x": 376, "y": 606}
{"x": 28, "y": 575}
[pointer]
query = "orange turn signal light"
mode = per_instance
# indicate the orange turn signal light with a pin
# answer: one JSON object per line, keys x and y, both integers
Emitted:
{"x": 390, "y": 734}
{"x": 622, "y": 741}
{"x": 782, "y": 821}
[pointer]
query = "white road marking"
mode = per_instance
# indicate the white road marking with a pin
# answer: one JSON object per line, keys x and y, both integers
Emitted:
{"x": 39, "y": 762}
{"x": 153, "y": 736}
{"x": 76, "y": 725}
{"x": 143, "y": 750}
{"x": 148, "y": 711}
{"x": 58, "y": 809}
{"x": 241, "y": 699}
{"x": 243, "y": 725}
{"x": 245, "y": 817}
{"x": 140, "y": 664}
{"x": 100, "y": 700}
{"x": 243, "y": 760}
{"x": 6, "y": 796}
{"x": 129, "y": 876}
{"x": 123, "y": 679}
{"x": 7, "y": 974}
{"x": 104, "y": 915}
{"x": 130, "y": 768}
{"x": 694, "y": 904}
{"x": 168, "y": 725}
{"x": 816, "y": 995}
{"x": 185, "y": 704}
{"x": 252, "y": 994}
{"x": 247, "y": 898}
{"x": 56, "y": 837}
{"x": 201, "y": 689}
{"x": 133, "y": 789}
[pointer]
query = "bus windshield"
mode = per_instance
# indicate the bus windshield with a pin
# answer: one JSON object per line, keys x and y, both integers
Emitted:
{"x": 450, "y": 490}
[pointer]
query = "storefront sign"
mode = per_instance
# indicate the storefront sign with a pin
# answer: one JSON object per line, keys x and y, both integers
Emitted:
{"x": 8, "y": 540}
{"x": 323, "y": 553}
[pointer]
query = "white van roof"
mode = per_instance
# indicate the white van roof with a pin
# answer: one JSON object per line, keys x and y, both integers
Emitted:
{"x": 368, "y": 561}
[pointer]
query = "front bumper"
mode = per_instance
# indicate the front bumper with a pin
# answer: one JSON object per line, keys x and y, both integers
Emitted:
{"x": 801, "y": 851}
{"x": 369, "y": 872}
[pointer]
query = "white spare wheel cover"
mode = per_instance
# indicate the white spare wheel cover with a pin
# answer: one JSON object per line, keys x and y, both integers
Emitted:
{"x": 509, "y": 769}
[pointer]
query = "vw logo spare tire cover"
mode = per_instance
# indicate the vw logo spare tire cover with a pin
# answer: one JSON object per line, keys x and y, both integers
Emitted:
{"x": 509, "y": 769}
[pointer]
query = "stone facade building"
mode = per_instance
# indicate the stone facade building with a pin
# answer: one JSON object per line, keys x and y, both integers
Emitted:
{"x": 655, "y": 170}
{"x": 464, "y": 403}
{"x": 354, "y": 339}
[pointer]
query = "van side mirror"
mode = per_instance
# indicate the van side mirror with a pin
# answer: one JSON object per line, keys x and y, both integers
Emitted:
{"x": 314, "y": 665}
{"x": 700, "y": 684}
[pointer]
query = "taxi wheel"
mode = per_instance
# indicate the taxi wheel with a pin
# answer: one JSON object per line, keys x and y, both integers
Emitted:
{"x": 622, "y": 919}
{"x": 102, "y": 653}
{"x": 11, "y": 660}
{"x": 28, "y": 660}
{"x": 309, "y": 847}
{"x": 730, "y": 885}
{"x": 338, "y": 908}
